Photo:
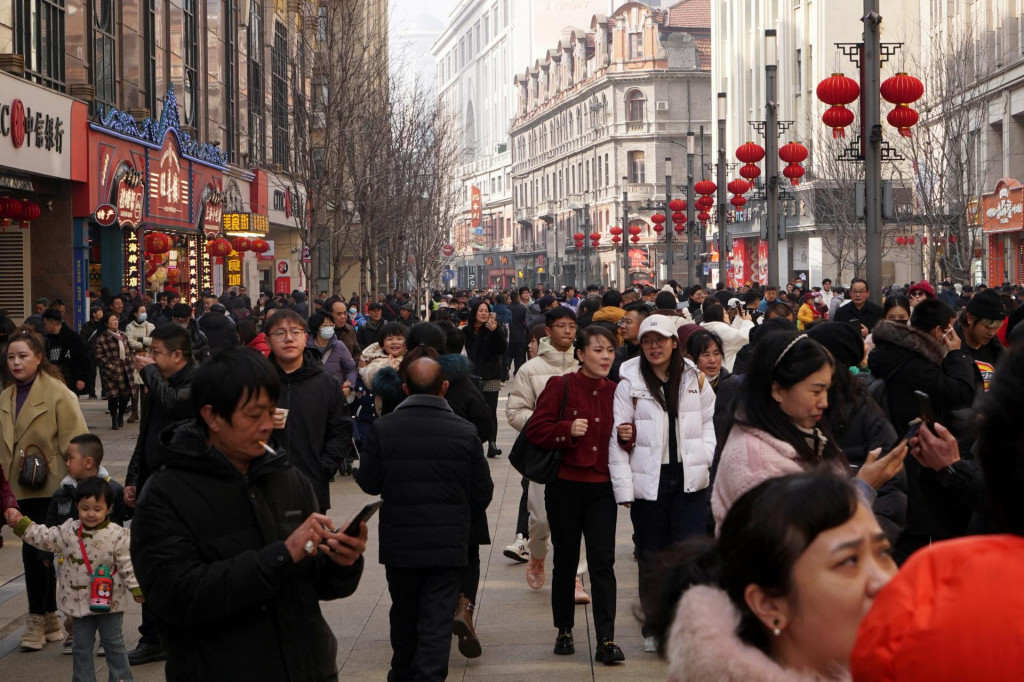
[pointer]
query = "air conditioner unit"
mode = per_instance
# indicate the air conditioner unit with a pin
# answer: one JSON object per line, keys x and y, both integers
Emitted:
{"x": 661, "y": 105}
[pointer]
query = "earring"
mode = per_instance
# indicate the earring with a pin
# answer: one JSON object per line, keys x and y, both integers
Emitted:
{"x": 776, "y": 631}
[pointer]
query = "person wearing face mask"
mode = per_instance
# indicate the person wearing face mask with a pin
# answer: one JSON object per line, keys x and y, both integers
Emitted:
{"x": 138, "y": 332}
{"x": 333, "y": 353}
{"x": 779, "y": 596}
{"x": 780, "y": 427}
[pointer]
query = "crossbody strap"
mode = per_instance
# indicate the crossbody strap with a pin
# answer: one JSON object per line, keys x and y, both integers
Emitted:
{"x": 85, "y": 557}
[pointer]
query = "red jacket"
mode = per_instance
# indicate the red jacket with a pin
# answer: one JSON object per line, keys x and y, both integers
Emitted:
{"x": 259, "y": 342}
{"x": 953, "y": 612}
{"x": 586, "y": 457}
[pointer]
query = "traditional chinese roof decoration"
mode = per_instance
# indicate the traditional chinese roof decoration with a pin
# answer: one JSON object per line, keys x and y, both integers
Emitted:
{"x": 153, "y": 131}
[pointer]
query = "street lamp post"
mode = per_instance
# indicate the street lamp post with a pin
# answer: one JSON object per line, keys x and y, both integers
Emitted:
{"x": 625, "y": 233}
{"x": 872, "y": 149}
{"x": 771, "y": 152}
{"x": 723, "y": 237}
{"x": 668, "y": 212}
{"x": 691, "y": 227}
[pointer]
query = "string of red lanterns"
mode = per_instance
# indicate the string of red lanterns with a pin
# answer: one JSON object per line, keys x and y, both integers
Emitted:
{"x": 901, "y": 90}
{"x": 677, "y": 206}
{"x": 793, "y": 153}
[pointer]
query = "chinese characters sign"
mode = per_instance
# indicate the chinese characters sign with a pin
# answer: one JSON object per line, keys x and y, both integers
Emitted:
{"x": 248, "y": 223}
{"x": 132, "y": 256}
{"x": 233, "y": 267}
{"x": 1003, "y": 210}
{"x": 33, "y": 125}
{"x": 476, "y": 207}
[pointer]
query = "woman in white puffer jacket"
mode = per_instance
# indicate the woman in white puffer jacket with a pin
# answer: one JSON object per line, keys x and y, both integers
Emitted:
{"x": 660, "y": 460}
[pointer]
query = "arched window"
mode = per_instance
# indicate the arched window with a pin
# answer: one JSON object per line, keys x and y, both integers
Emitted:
{"x": 635, "y": 105}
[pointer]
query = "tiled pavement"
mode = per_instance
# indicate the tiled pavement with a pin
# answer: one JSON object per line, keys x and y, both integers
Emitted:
{"x": 513, "y": 621}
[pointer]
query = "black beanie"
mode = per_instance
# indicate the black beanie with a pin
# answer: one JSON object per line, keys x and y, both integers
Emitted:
{"x": 987, "y": 305}
{"x": 775, "y": 324}
{"x": 665, "y": 300}
{"x": 841, "y": 339}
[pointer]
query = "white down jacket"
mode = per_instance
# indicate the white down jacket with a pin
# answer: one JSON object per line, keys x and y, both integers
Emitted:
{"x": 636, "y": 475}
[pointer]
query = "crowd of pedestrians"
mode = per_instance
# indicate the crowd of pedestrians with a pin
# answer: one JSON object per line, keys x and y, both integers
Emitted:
{"x": 798, "y": 467}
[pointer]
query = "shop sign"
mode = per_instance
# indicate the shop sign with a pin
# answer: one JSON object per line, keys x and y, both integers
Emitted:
{"x": 1003, "y": 209}
{"x": 306, "y": 257}
{"x": 33, "y": 124}
{"x": 212, "y": 216}
{"x": 233, "y": 264}
{"x": 168, "y": 183}
{"x": 247, "y": 223}
{"x": 475, "y": 205}
{"x": 268, "y": 255}
{"x": 129, "y": 202}
{"x": 638, "y": 258}
{"x": 105, "y": 215}
{"x": 283, "y": 285}
{"x": 132, "y": 257}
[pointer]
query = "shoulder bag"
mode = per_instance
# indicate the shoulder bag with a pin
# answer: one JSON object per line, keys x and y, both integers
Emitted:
{"x": 33, "y": 470}
{"x": 535, "y": 463}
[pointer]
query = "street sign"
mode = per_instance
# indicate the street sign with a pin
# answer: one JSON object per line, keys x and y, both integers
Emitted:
{"x": 105, "y": 215}
{"x": 448, "y": 275}
{"x": 448, "y": 250}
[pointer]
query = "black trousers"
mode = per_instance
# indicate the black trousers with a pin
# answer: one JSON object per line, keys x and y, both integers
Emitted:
{"x": 470, "y": 581}
{"x": 588, "y": 511}
{"x": 516, "y": 354}
{"x": 657, "y": 524}
{"x": 40, "y": 577}
{"x": 491, "y": 400}
{"x": 523, "y": 519}
{"x": 423, "y": 604}
{"x": 148, "y": 630}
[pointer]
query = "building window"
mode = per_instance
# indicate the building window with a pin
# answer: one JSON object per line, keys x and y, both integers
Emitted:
{"x": 606, "y": 173}
{"x": 635, "y": 105}
{"x": 636, "y": 46}
{"x": 799, "y": 71}
{"x": 279, "y": 95}
{"x": 231, "y": 80}
{"x": 39, "y": 37}
{"x": 149, "y": 57}
{"x": 257, "y": 123}
{"x": 104, "y": 53}
{"x": 636, "y": 167}
{"x": 190, "y": 57}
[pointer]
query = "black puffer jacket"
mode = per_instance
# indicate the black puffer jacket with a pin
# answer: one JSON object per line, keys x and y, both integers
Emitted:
{"x": 208, "y": 549}
{"x": 164, "y": 402}
{"x": 485, "y": 350}
{"x": 318, "y": 433}
{"x": 428, "y": 466}
{"x": 220, "y": 331}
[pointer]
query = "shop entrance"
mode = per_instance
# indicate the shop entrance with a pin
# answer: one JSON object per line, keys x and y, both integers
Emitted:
{"x": 106, "y": 259}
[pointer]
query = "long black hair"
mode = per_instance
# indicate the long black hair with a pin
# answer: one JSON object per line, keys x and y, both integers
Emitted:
{"x": 786, "y": 359}
{"x": 669, "y": 399}
{"x": 767, "y": 529}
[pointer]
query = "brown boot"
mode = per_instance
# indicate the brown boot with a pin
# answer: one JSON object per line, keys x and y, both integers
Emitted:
{"x": 469, "y": 645}
{"x": 52, "y": 631}
{"x": 33, "y": 639}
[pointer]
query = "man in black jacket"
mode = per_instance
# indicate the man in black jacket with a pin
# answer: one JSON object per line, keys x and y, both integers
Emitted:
{"x": 66, "y": 350}
{"x": 219, "y": 328}
{"x": 367, "y": 334}
{"x": 860, "y": 310}
{"x": 428, "y": 467}
{"x": 227, "y": 543}
{"x": 518, "y": 334}
{"x": 167, "y": 373}
{"x": 316, "y": 432}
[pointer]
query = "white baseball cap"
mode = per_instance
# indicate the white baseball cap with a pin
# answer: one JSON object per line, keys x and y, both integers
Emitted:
{"x": 659, "y": 324}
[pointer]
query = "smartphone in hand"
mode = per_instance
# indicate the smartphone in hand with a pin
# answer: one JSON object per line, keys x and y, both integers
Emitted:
{"x": 352, "y": 528}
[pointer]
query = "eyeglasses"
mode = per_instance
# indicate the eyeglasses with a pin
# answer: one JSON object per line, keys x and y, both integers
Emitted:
{"x": 652, "y": 341}
{"x": 280, "y": 334}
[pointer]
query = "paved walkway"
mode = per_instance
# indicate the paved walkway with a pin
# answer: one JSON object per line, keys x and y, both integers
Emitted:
{"x": 513, "y": 621}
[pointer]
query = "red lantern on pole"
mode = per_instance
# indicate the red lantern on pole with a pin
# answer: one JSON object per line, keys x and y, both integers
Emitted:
{"x": 911, "y": 240}
{"x": 677, "y": 205}
{"x": 739, "y": 201}
{"x": 659, "y": 228}
{"x": 657, "y": 218}
{"x": 838, "y": 91}
{"x": 837, "y": 118}
{"x": 794, "y": 172}
{"x": 157, "y": 243}
{"x": 241, "y": 244}
{"x": 738, "y": 186}
{"x": 579, "y": 244}
{"x": 900, "y": 241}
{"x": 793, "y": 152}
{"x": 616, "y": 239}
{"x": 705, "y": 187}
{"x": 634, "y": 230}
{"x": 750, "y": 153}
{"x": 902, "y": 118}
{"x": 615, "y": 230}
{"x": 595, "y": 237}
{"x": 750, "y": 172}
{"x": 579, "y": 236}
{"x": 634, "y": 239}
{"x": 703, "y": 216}
{"x": 220, "y": 247}
{"x": 680, "y": 227}
{"x": 902, "y": 90}
{"x": 679, "y": 217}
{"x": 705, "y": 203}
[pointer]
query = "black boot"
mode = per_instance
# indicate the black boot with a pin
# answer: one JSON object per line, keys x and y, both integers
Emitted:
{"x": 112, "y": 408}
{"x": 122, "y": 405}
{"x": 492, "y": 450}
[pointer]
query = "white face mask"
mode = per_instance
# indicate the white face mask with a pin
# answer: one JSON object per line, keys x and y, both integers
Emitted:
{"x": 142, "y": 317}
{"x": 326, "y": 332}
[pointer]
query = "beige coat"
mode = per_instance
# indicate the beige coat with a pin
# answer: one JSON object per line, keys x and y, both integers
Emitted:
{"x": 49, "y": 419}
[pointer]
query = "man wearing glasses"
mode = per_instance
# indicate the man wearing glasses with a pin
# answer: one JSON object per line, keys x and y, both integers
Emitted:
{"x": 311, "y": 422}
{"x": 167, "y": 373}
{"x": 860, "y": 309}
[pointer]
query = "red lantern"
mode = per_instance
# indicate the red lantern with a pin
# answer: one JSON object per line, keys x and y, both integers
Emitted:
{"x": 952, "y": 239}
{"x": 902, "y": 118}
{"x": 241, "y": 244}
{"x": 794, "y": 172}
{"x": 704, "y": 203}
{"x": 901, "y": 89}
{"x": 901, "y": 241}
{"x": 911, "y": 239}
{"x": 173, "y": 274}
{"x": 837, "y": 118}
{"x": 259, "y": 246}
{"x": 157, "y": 243}
{"x": 738, "y": 201}
{"x": 29, "y": 211}
{"x": 220, "y": 247}
{"x": 634, "y": 239}
{"x": 750, "y": 153}
{"x": 579, "y": 244}
{"x": 679, "y": 217}
{"x": 595, "y": 237}
{"x": 680, "y": 228}
{"x": 924, "y": 240}
{"x": 634, "y": 230}
{"x": 659, "y": 228}
{"x": 615, "y": 230}
{"x": 579, "y": 236}
{"x": 838, "y": 90}
{"x": 705, "y": 187}
{"x": 10, "y": 208}
{"x": 657, "y": 218}
{"x": 703, "y": 216}
{"x": 616, "y": 239}
{"x": 750, "y": 172}
{"x": 793, "y": 152}
{"x": 738, "y": 186}
{"x": 677, "y": 205}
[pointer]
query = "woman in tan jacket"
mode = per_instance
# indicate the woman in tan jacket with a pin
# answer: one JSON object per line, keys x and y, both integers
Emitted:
{"x": 39, "y": 415}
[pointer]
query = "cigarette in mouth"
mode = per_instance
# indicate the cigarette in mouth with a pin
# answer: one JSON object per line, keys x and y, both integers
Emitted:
{"x": 270, "y": 450}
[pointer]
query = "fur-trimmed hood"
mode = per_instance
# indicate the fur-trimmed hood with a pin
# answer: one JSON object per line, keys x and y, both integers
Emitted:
{"x": 703, "y": 645}
{"x": 905, "y": 336}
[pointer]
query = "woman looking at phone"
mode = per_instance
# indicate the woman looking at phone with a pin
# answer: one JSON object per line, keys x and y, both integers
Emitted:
{"x": 485, "y": 346}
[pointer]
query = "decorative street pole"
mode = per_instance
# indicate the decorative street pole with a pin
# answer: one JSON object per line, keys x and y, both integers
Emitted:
{"x": 723, "y": 236}
{"x": 871, "y": 115}
{"x": 668, "y": 212}
{"x": 625, "y": 233}
{"x": 771, "y": 150}
{"x": 691, "y": 227}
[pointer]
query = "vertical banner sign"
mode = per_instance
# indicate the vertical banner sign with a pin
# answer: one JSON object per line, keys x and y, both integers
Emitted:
{"x": 133, "y": 255}
{"x": 81, "y": 274}
{"x": 476, "y": 207}
{"x": 195, "y": 272}
{"x": 762, "y": 263}
{"x": 234, "y": 269}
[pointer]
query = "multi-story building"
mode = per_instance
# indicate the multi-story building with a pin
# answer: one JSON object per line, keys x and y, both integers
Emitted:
{"x": 476, "y": 58}
{"x": 170, "y": 117}
{"x": 597, "y": 119}
{"x": 807, "y": 34}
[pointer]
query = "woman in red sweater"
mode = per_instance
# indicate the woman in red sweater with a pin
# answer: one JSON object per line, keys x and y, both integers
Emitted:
{"x": 580, "y": 502}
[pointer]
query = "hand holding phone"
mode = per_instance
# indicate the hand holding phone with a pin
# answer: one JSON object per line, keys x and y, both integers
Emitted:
{"x": 352, "y": 528}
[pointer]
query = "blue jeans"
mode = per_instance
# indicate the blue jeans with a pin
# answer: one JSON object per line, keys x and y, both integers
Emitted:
{"x": 109, "y": 625}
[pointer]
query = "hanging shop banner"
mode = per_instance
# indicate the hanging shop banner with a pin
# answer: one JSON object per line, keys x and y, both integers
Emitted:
{"x": 638, "y": 258}
{"x": 130, "y": 196}
{"x": 245, "y": 224}
{"x": 132, "y": 257}
{"x": 233, "y": 266}
{"x": 762, "y": 263}
{"x": 1003, "y": 209}
{"x": 476, "y": 206}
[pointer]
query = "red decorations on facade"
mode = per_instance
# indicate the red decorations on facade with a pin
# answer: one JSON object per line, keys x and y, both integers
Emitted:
{"x": 738, "y": 186}
{"x": 220, "y": 247}
{"x": 902, "y": 90}
{"x": 241, "y": 244}
{"x": 173, "y": 274}
{"x": 259, "y": 246}
{"x": 10, "y": 209}
{"x": 793, "y": 153}
{"x": 911, "y": 240}
{"x": 677, "y": 205}
{"x": 705, "y": 187}
{"x": 739, "y": 201}
{"x": 750, "y": 153}
{"x": 838, "y": 91}
{"x": 901, "y": 241}
{"x": 750, "y": 172}
{"x": 157, "y": 243}
{"x": 29, "y": 211}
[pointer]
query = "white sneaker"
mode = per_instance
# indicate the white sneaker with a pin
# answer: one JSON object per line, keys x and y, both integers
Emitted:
{"x": 650, "y": 645}
{"x": 517, "y": 551}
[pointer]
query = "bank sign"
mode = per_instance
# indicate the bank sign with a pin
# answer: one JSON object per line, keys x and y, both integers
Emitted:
{"x": 34, "y": 128}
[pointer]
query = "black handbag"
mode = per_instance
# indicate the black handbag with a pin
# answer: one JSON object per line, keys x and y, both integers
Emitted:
{"x": 535, "y": 463}
{"x": 33, "y": 471}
